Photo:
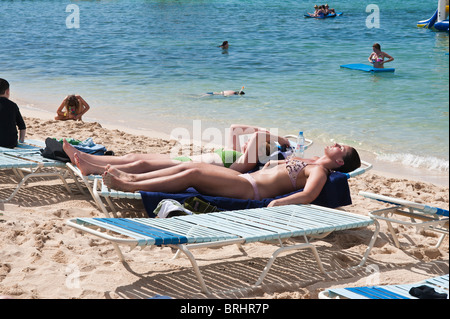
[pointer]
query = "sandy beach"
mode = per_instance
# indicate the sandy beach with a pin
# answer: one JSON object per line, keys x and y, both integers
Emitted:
{"x": 42, "y": 258}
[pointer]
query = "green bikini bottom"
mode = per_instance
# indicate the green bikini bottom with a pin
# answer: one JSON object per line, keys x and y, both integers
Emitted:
{"x": 228, "y": 157}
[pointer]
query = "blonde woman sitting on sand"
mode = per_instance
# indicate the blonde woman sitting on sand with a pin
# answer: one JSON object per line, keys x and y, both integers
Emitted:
{"x": 272, "y": 181}
{"x": 239, "y": 158}
{"x": 75, "y": 107}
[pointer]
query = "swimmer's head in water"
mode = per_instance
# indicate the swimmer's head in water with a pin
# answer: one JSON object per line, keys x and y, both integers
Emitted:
{"x": 239, "y": 93}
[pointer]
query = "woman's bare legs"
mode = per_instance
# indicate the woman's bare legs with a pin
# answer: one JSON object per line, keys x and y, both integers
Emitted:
{"x": 172, "y": 183}
{"x": 205, "y": 178}
{"x": 141, "y": 166}
{"x": 130, "y": 177}
{"x": 105, "y": 160}
{"x": 121, "y": 174}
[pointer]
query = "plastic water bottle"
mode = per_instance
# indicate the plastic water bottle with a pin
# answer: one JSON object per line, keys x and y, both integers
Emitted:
{"x": 300, "y": 148}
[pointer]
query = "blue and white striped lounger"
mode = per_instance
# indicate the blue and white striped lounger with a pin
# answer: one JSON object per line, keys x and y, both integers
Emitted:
{"x": 27, "y": 162}
{"x": 418, "y": 215}
{"x": 439, "y": 284}
{"x": 225, "y": 228}
{"x": 28, "y": 145}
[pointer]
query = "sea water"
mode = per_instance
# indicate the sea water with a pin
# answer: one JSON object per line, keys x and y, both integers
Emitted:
{"x": 148, "y": 64}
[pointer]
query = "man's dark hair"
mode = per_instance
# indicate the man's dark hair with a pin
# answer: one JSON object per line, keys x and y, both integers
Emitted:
{"x": 351, "y": 161}
{"x": 4, "y": 85}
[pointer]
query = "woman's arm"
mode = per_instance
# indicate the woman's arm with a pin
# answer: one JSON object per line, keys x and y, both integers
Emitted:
{"x": 390, "y": 59}
{"x": 250, "y": 154}
{"x": 254, "y": 151}
{"x": 60, "y": 108}
{"x": 236, "y": 130}
{"x": 314, "y": 185}
{"x": 84, "y": 105}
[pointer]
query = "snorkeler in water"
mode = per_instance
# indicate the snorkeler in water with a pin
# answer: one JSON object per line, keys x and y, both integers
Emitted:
{"x": 228, "y": 92}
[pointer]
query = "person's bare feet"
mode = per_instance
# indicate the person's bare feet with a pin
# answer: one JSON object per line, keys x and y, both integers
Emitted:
{"x": 120, "y": 174}
{"x": 69, "y": 150}
{"x": 115, "y": 183}
{"x": 86, "y": 168}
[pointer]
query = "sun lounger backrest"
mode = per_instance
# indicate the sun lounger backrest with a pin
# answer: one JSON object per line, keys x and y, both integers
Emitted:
{"x": 395, "y": 201}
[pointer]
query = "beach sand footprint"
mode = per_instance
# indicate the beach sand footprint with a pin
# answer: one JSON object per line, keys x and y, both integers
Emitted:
{"x": 5, "y": 269}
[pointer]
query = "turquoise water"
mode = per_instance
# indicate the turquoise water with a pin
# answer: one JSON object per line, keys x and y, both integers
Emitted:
{"x": 146, "y": 64}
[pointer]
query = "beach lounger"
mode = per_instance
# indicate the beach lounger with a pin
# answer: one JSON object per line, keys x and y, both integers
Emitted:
{"x": 30, "y": 145}
{"x": 27, "y": 162}
{"x": 439, "y": 284}
{"x": 186, "y": 233}
{"x": 408, "y": 213}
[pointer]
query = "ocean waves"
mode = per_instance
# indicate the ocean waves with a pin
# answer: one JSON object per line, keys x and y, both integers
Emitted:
{"x": 421, "y": 162}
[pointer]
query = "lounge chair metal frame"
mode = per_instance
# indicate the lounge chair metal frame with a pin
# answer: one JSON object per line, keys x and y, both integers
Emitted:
{"x": 421, "y": 216}
{"x": 27, "y": 162}
{"x": 97, "y": 189}
{"x": 187, "y": 233}
{"x": 439, "y": 284}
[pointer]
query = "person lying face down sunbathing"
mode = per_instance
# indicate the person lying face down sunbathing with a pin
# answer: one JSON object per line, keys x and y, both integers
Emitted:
{"x": 285, "y": 177}
{"x": 240, "y": 158}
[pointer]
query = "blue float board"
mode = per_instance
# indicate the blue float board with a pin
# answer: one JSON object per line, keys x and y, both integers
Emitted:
{"x": 366, "y": 68}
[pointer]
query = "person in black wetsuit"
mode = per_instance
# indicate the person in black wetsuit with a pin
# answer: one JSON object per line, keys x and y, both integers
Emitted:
{"x": 10, "y": 119}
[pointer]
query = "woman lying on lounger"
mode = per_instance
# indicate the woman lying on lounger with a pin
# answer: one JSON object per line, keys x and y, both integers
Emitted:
{"x": 289, "y": 175}
{"x": 240, "y": 158}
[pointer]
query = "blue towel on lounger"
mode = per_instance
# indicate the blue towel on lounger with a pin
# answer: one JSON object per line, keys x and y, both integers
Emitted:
{"x": 88, "y": 146}
{"x": 335, "y": 193}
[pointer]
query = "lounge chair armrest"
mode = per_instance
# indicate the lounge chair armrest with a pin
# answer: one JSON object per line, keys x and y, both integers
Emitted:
{"x": 365, "y": 166}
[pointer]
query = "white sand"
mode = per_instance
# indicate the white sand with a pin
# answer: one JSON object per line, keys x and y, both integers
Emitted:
{"x": 41, "y": 257}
